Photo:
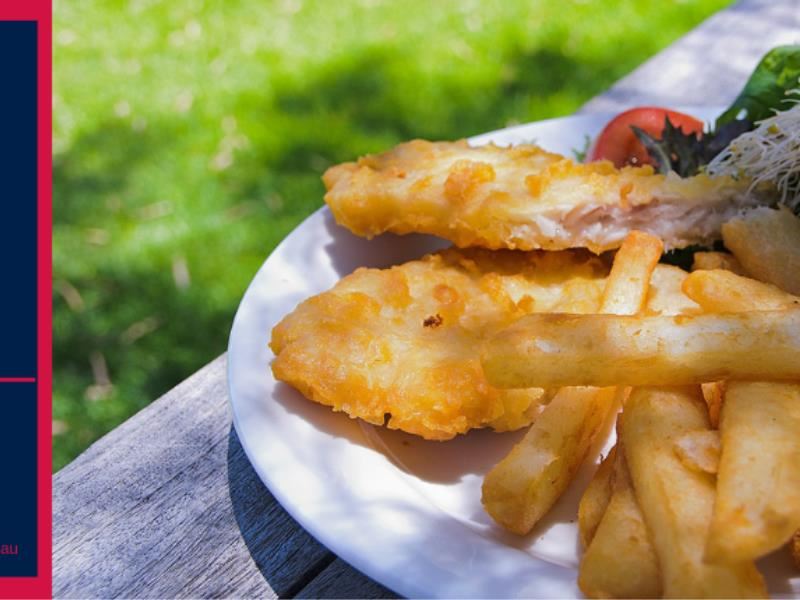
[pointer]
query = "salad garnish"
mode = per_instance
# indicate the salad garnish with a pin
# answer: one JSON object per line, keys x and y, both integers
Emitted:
{"x": 757, "y": 137}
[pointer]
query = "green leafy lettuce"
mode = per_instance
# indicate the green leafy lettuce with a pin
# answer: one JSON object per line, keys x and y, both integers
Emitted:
{"x": 770, "y": 87}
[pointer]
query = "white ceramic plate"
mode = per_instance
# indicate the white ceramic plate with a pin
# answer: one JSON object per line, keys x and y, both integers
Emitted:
{"x": 402, "y": 510}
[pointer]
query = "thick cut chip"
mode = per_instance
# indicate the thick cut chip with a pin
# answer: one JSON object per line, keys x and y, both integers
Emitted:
{"x": 676, "y": 500}
{"x": 551, "y": 350}
{"x": 595, "y": 499}
{"x": 626, "y": 291}
{"x": 723, "y": 291}
{"x": 767, "y": 244}
{"x": 402, "y": 345}
{"x": 620, "y": 561}
{"x": 525, "y": 198}
{"x": 757, "y": 508}
{"x": 714, "y": 395}
{"x": 666, "y": 296}
{"x": 705, "y": 261}
{"x": 523, "y": 486}
{"x": 758, "y": 486}
{"x": 699, "y": 450}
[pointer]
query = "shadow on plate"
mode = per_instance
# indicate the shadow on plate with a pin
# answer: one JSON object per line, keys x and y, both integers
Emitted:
{"x": 778, "y": 570}
{"x": 443, "y": 462}
{"x": 321, "y": 417}
{"x": 349, "y": 252}
{"x": 435, "y": 462}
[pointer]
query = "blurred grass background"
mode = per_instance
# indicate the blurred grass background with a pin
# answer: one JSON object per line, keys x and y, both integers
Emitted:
{"x": 189, "y": 137}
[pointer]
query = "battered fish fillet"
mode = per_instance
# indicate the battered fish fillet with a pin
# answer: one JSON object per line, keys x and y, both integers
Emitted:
{"x": 525, "y": 198}
{"x": 401, "y": 346}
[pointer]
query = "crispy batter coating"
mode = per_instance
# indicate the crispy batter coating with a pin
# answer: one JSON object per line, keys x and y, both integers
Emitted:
{"x": 402, "y": 345}
{"x": 525, "y": 198}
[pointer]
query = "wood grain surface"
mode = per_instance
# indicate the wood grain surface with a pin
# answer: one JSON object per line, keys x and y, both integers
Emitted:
{"x": 710, "y": 64}
{"x": 167, "y": 505}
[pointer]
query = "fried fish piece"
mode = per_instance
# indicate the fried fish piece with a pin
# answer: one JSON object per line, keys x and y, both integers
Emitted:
{"x": 401, "y": 346}
{"x": 525, "y": 198}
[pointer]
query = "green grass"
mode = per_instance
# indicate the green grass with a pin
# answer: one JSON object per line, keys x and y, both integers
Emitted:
{"x": 189, "y": 138}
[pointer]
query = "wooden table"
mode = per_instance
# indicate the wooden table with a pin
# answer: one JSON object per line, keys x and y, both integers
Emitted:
{"x": 167, "y": 504}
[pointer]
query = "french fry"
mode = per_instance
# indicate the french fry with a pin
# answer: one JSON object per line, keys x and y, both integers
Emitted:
{"x": 627, "y": 284}
{"x": 716, "y": 260}
{"x": 620, "y": 562}
{"x": 523, "y": 486}
{"x": 544, "y": 350}
{"x": 665, "y": 296}
{"x": 677, "y": 501}
{"x": 794, "y": 548}
{"x": 714, "y": 394}
{"x": 699, "y": 450}
{"x": 715, "y": 266}
{"x": 723, "y": 291}
{"x": 595, "y": 499}
{"x": 757, "y": 508}
{"x": 713, "y": 391}
{"x": 767, "y": 244}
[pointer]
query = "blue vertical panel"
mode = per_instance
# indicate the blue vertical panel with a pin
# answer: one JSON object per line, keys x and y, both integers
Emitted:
{"x": 18, "y": 297}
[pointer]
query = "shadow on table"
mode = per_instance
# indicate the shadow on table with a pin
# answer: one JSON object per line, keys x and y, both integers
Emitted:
{"x": 285, "y": 554}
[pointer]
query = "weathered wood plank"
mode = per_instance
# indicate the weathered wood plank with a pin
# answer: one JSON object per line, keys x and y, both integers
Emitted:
{"x": 340, "y": 580}
{"x": 167, "y": 505}
{"x": 709, "y": 65}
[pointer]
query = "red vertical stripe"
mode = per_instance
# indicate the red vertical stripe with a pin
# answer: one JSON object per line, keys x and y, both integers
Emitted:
{"x": 41, "y": 585}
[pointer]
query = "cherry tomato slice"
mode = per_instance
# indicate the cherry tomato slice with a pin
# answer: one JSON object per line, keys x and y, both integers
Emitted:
{"x": 619, "y": 144}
